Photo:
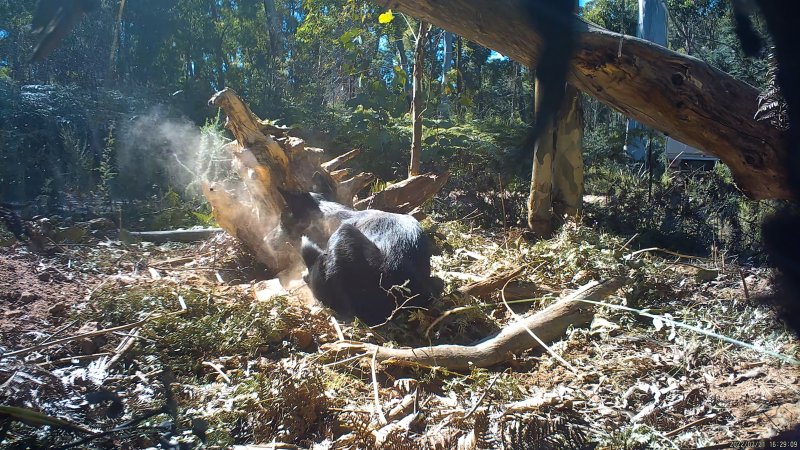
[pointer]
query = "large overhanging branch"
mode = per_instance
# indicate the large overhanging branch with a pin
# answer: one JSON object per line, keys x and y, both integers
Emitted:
{"x": 676, "y": 94}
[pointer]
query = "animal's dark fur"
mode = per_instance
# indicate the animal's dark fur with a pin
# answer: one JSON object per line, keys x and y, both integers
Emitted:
{"x": 554, "y": 21}
{"x": 360, "y": 263}
{"x": 780, "y": 231}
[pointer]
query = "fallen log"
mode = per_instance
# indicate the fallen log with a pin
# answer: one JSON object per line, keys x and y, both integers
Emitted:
{"x": 549, "y": 325}
{"x": 679, "y": 95}
{"x": 404, "y": 196}
{"x": 335, "y": 163}
{"x": 342, "y": 174}
{"x": 491, "y": 284}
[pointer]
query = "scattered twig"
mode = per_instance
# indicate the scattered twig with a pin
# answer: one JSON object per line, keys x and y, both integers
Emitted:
{"x": 628, "y": 242}
{"x": 218, "y": 368}
{"x": 96, "y": 288}
{"x": 349, "y": 410}
{"x": 697, "y": 422}
{"x": 185, "y": 269}
{"x": 338, "y": 329}
{"x": 681, "y": 263}
{"x": 59, "y": 331}
{"x": 125, "y": 345}
{"x": 378, "y": 410}
{"x": 394, "y": 313}
{"x": 346, "y": 360}
{"x": 129, "y": 326}
{"x": 744, "y": 286}
{"x": 73, "y": 358}
{"x": 178, "y": 260}
{"x": 662, "y": 250}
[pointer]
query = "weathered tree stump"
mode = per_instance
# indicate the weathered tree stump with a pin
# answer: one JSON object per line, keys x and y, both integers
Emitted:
{"x": 269, "y": 160}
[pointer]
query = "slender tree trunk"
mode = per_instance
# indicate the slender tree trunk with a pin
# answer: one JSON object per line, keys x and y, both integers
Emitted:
{"x": 112, "y": 57}
{"x": 273, "y": 27}
{"x": 416, "y": 100}
{"x": 401, "y": 51}
{"x": 447, "y": 64}
{"x": 220, "y": 53}
{"x": 519, "y": 86}
{"x": 447, "y": 60}
{"x": 512, "y": 110}
{"x": 459, "y": 79}
{"x": 653, "y": 27}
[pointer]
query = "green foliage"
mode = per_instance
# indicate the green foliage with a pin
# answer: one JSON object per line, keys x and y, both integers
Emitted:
{"x": 205, "y": 219}
{"x": 208, "y": 328}
{"x": 638, "y": 437}
{"x": 106, "y": 168}
{"x": 693, "y": 211}
{"x": 614, "y": 15}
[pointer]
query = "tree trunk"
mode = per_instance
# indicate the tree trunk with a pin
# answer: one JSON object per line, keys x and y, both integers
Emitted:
{"x": 652, "y": 27}
{"x": 519, "y": 86}
{"x": 540, "y": 203}
{"x": 557, "y": 174}
{"x": 273, "y": 28}
{"x": 447, "y": 54}
{"x": 676, "y": 94}
{"x": 459, "y": 78}
{"x": 416, "y": 100}
{"x": 112, "y": 58}
{"x": 568, "y": 159}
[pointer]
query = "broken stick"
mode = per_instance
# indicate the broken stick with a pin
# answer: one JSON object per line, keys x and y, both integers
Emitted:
{"x": 549, "y": 325}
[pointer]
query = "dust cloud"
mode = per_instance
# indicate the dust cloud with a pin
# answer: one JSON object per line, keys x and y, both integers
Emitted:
{"x": 155, "y": 149}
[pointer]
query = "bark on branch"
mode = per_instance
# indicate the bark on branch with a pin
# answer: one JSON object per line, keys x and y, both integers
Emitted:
{"x": 548, "y": 324}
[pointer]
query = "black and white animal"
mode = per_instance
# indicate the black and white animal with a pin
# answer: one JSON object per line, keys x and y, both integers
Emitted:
{"x": 360, "y": 263}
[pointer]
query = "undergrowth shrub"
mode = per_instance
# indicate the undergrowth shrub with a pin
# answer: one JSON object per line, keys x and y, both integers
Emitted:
{"x": 695, "y": 211}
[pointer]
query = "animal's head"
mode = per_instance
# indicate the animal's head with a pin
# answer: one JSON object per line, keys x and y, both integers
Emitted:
{"x": 346, "y": 277}
{"x": 302, "y": 210}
